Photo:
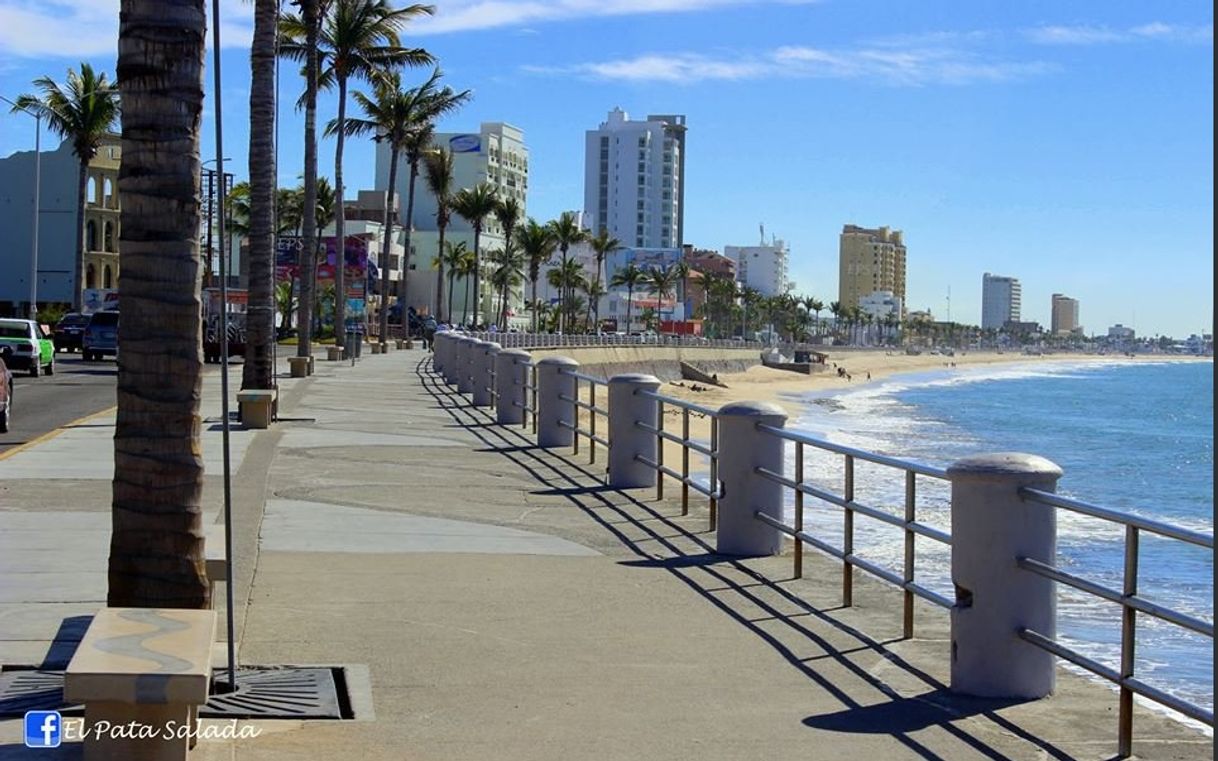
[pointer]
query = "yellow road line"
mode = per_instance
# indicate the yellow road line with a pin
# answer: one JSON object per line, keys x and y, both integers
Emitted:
{"x": 52, "y": 434}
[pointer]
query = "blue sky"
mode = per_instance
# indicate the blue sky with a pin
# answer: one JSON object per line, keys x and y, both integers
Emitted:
{"x": 1069, "y": 144}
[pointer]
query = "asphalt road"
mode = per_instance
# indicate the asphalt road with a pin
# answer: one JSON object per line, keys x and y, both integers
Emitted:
{"x": 41, "y": 405}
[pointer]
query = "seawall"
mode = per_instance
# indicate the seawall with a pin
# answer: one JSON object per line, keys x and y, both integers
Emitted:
{"x": 664, "y": 362}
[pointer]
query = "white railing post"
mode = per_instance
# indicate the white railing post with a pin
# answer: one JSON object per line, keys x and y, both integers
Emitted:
{"x": 991, "y": 527}
{"x": 484, "y": 362}
{"x": 553, "y": 382}
{"x": 437, "y": 352}
{"x": 510, "y": 376}
{"x": 465, "y": 376}
{"x": 627, "y": 442}
{"x": 452, "y": 362}
{"x": 742, "y": 449}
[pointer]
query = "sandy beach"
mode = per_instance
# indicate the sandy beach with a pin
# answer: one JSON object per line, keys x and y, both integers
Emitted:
{"x": 766, "y": 384}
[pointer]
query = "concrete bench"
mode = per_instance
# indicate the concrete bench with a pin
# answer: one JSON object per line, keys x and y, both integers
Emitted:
{"x": 256, "y": 407}
{"x": 300, "y": 366}
{"x": 144, "y": 665}
{"x": 334, "y": 353}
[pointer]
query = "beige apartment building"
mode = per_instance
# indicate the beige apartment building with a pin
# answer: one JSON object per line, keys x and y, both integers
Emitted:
{"x": 1065, "y": 315}
{"x": 102, "y": 216}
{"x": 870, "y": 260}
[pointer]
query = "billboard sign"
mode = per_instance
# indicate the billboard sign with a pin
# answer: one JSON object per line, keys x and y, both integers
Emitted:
{"x": 465, "y": 144}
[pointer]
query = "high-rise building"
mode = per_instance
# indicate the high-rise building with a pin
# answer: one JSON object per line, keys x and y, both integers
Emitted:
{"x": 496, "y": 154}
{"x": 1064, "y": 315}
{"x": 1000, "y": 300}
{"x": 870, "y": 260}
{"x": 763, "y": 268}
{"x": 634, "y": 178}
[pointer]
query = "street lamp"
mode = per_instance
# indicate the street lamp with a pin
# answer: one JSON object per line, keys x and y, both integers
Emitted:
{"x": 37, "y": 193}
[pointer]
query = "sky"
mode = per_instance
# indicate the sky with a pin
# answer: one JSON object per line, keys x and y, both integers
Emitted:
{"x": 1069, "y": 144}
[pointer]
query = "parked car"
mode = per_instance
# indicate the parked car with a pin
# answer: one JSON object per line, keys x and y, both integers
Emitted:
{"x": 28, "y": 346}
{"x": 69, "y": 331}
{"x": 6, "y": 396}
{"x": 101, "y": 336}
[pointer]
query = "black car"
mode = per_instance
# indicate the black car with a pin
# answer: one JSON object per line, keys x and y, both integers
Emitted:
{"x": 70, "y": 331}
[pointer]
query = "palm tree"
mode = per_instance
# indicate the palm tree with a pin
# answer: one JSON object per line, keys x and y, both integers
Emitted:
{"x": 392, "y": 116}
{"x": 467, "y": 268}
{"x": 566, "y": 278}
{"x": 359, "y": 40}
{"x": 258, "y": 372}
{"x": 835, "y": 308}
{"x": 451, "y": 257}
{"x": 631, "y": 277}
{"x": 289, "y": 209}
{"x": 475, "y": 205}
{"x": 438, "y": 173}
{"x": 593, "y": 290}
{"x": 156, "y": 542}
{"x": 662, "y": 282}
{"x": 537, "y": 245}
{"x": 311, "y": 20}
{"x": 285, "y": 302}
{"x": 508, "y": 214}
{"x": 602, "y": 245}
{"x": 509, "y": 271}
{"x": 815, "y": 305}
{"x": 567, "y": 233}
{"x": 83, "y": 110}
{"x": 237, "y": 206}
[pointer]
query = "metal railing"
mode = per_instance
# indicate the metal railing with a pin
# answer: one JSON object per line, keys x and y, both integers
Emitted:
{"x": 687, "y": 444}
{"x": 590, "y": 406}
{"x": 529, "y": 408}
{"x": 1131, "y": 605}
{"x": 510, "y": 340}
{"x": 908, "y": 522}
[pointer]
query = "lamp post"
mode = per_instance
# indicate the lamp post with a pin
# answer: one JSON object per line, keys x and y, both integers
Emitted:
{"x": 37, "y": 199}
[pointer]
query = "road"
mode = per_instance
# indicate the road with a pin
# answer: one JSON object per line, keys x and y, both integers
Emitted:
{"x": 41, "y": 405}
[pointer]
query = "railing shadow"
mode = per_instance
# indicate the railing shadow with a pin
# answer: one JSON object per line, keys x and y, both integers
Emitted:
{"x": 587, "y": 492}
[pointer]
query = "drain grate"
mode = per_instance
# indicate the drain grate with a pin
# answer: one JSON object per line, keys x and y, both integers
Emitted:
{"x": 263, "y": 692}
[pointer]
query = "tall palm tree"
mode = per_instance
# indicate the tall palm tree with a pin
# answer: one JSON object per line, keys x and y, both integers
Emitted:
{"x": 593, "y": 290}
{"x": 567, "y": 233}
{"x": 602, "y": 245}
{"x": 508, "y": 214}
{"x": 392, "y": 116}
{"x": 359, "y": 40}
{"x": 630, "y": 277}
{"x": 451, "y": 257}
{"x": 475, "y": 205}
{"x": 566, "y": 278}
{"x": 662, "y": 282}
{"x": 467, "y": 268}
{"x": 509, "y": 271}
{"x": 438, "y": 173}
{"x": 258, "y": 372}
{"x": 835, "y": 308}
{"x": 814, "y": 305}
{"x": 83, "y": 110}
{"x": 537, "y": 245}
{"x": 311, "y": 12}
{"x": 156, "y": 543}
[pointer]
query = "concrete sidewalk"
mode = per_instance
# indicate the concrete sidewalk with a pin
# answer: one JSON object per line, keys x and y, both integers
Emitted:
{"x": 506, "y": 604}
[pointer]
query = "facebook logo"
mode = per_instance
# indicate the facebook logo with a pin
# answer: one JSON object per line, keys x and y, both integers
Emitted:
{"x": 43, "y": 729}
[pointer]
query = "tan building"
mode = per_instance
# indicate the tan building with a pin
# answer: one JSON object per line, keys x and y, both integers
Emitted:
{"x": 102, "y": 216}
{"x": 1065, "y": 315}
{"x": 870, "y": 260}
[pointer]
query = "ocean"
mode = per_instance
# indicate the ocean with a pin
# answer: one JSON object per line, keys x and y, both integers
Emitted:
{"x": 1133, "y": 436}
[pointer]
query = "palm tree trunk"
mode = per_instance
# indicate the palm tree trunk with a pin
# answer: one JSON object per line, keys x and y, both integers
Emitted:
{"x": 465, "y": 305}
{"x": 440, "y": 277}
{"x": 629, "y": 305}
{"x": 563, "y": 306}
{"x": 340, "y": 220}
{"x": 452, "y": 279}
{"x": 409, "y": 225}
{"x": 386, "y": 239}
{"x": 477, "y": 274}
{"x": 82, "y": 185}
{"x": 156, "y": 544}
{"x": 535, "y": 305}
{"x": 308, "y": 256}
{"x": 258, "y": 371}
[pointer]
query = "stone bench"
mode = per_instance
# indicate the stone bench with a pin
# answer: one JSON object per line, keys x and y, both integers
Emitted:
{"x": 334, "y": 353}
{"x": 145, "y": 665}
{"x": 300, "y": 366}
{"x": 255, "y": 407}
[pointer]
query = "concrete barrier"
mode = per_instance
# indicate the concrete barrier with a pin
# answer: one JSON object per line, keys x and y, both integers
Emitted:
{"x": 743, "y": 449}
{"x": 551, "y": 410}
{"x": 628, "y": 442}
{"x": 991, "y": 527}
{"x": 484, "y": 364}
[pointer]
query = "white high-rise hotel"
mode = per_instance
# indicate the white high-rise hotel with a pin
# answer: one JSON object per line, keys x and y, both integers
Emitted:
{"x": 634, "y": 173}
{"x": 1000, "y": 301}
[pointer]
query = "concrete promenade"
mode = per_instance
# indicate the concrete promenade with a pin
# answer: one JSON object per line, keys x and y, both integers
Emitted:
{"x": 504, "y": 604}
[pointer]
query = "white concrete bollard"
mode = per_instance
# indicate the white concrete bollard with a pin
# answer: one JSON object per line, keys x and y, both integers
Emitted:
{"x": 484, "y": 362}
{"x": 742, "y": 449}
{"x": 510, "y": 376}
{"x": 991, "y": 527}
{"x": 452, "y": 370}
{"x": 552, "y": 383}
{"x": 465, "y": 365}
{"x": 627, "y": 441}
{"x": 437, "y": 352}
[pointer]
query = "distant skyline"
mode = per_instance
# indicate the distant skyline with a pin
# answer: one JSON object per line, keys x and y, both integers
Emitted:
{"x": 1069, "y": 145}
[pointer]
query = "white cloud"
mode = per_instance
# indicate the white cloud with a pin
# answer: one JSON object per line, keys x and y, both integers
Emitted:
{"x": 1084, "y": 34}
{"x": 914, "y": 67}
{"x": 465, "y": 15}
{"x": 75, "y": 29}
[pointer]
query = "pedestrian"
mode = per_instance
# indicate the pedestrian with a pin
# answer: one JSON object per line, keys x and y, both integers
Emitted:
{"x": 429, "y": 333}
